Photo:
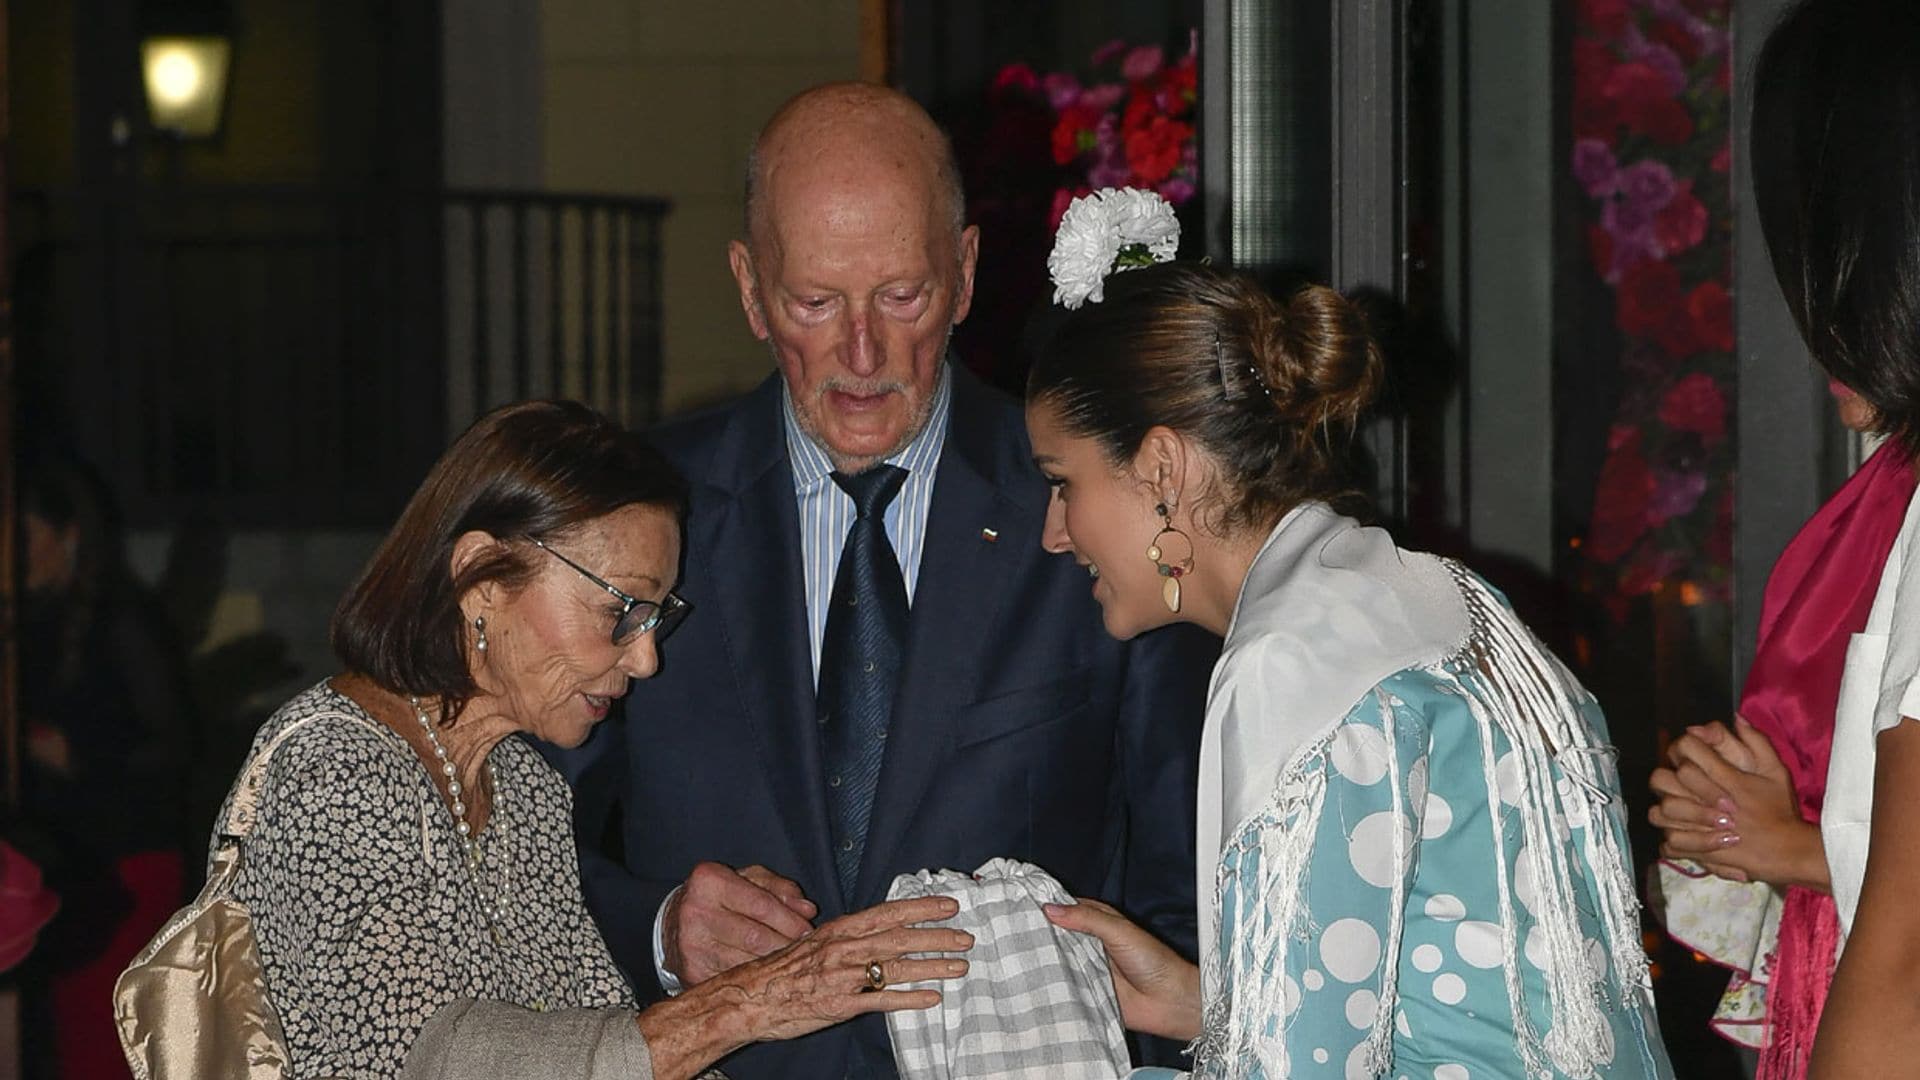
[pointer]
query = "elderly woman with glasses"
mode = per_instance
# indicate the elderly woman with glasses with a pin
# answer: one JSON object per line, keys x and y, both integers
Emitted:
{"x": 411, "y": 871}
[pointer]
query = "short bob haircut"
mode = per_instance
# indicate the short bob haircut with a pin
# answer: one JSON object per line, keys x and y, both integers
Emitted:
{"x": 1836, "y": 177}
{"x": 533, "y": 471}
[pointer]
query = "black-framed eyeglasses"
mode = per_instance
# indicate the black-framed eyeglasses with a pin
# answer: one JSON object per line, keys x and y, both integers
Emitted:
{"x": 637, "y": 616}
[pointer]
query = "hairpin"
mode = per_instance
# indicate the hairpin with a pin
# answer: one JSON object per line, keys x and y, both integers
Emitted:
{"x": 1220, "y": 361}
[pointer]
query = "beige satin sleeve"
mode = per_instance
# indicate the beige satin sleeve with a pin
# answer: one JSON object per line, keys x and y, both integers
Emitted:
{"x": 471, "y": 1038}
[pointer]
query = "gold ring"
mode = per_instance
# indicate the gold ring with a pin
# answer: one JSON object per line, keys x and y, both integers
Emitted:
{"x": 876, "y": 976}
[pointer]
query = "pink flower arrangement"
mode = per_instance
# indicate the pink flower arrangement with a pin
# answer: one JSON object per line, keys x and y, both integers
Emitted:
{"x": 1130, "y": 124}
{"x": 1650, "y": 115}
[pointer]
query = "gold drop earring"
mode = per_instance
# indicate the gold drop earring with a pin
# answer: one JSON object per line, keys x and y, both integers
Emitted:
{"x": 1175, "y": 570}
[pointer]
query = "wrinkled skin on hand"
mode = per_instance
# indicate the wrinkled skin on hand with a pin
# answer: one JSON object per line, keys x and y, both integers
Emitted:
{"x": 813, "y": 982}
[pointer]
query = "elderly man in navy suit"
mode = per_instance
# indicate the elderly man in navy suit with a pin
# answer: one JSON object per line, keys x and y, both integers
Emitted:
{"x": 884, "y": 671}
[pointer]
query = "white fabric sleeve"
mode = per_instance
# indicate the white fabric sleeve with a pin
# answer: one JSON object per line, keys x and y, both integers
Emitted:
{"x": 1878, "y": 679}
{"x": 1900, "y": 679}
{"x": 669, "y": 982}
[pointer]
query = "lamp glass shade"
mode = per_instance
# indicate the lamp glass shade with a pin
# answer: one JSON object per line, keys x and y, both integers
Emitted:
{"x": 186, "y": 81}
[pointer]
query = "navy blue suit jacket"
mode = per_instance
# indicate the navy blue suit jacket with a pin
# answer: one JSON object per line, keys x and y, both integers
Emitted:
{"x": 1021, "y": 729}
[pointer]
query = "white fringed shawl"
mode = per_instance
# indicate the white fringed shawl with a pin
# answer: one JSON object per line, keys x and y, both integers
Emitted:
{"x": 1328, "y": 611}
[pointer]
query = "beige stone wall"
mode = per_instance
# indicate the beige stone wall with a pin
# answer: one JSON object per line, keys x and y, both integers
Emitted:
{"x": 662, "y": 97}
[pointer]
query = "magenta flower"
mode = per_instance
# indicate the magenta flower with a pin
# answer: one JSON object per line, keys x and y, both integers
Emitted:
{"x": 1660, "y": 57}
{"x": 1062, "y": 90}
{"x": 1713, "y": 40}
{"x": 1674, "y": 494}
{"x": 1102, "y": 97}
{"x": 1176, "y": 189}
{"x": 1646, "y": 187}
{"x": 1109, "y": 166}
{"x": 1595, "y": 167}
{"x": 1623, "y": 218}
{"x": 1142, "y": 62}
{"x": 1631, "y": 247}
{"x": 1108, "y": 51}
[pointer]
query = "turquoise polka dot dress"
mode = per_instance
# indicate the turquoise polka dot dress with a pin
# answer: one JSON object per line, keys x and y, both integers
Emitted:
{"x": 1453, "y": 1019}
{"x": 1434, "y": 885}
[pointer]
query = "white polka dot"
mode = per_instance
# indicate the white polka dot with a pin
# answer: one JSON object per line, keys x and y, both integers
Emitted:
{"x": 1451, "y": 1072}
{"x": 1478, "y": 943}
{"x": 1573, "y": 799}
{"x": 1507, "y": 775}
{"x": 1360, "y": 753}
{"x": 1350, "y": 950}
{"x": 1449, "y": 989}
{"x": 1357, "y": 1063}
{"x": 1400, "y": 1024}
{"x": 1446, "y": 907}
{"x": 1370, "y": 848}
{"x": 1312, "y": 979}
{"x": 1427, "y": 958}
{"x": 1597, "y": 958}
{"x": 1437, "y": 819}
{"x": 1536, "y": 950}
{"x": 1526, "y": 880}
{"x": 1320, "y": 1054}
{"x": 1362, "y": 1005}
{"x": 1417, "y": 781}
{"x": 1289, "y": 995}
{"x": 1604, "y": 1052}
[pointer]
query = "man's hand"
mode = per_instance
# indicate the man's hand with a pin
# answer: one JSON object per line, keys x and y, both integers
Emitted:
{"x": 723, "y": 917}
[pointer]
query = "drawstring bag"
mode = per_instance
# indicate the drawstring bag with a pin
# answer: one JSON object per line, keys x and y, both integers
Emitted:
{"x": 194, "y": 1002}
{"x": 1037, "y": 1002}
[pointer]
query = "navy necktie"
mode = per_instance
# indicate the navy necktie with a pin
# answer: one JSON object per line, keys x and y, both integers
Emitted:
{"x": 860, "y": 655}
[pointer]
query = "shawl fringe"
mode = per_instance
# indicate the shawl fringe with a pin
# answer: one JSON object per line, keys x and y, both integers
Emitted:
{"x": 1512, "y": 686}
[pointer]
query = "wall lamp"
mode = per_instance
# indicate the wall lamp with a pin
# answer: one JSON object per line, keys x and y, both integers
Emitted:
{"x": 186, "y": 50}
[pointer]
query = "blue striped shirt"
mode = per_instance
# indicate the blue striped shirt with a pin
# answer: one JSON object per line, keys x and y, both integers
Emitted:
{"x": 826, "y": 512}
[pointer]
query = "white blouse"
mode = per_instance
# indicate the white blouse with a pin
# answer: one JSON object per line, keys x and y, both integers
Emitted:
{"x": 1879, "y": 687}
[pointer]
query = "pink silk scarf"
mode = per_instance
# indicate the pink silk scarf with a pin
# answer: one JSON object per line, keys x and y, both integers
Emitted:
{"x": 1816, "y": 599}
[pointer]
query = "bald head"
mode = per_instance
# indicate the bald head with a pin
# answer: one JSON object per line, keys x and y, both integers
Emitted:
{"x": 858, "y": 137}
{"x": 856, "y": 266}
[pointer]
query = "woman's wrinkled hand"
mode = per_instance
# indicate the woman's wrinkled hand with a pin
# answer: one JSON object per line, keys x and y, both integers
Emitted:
{"x": 1159, "y": 990}
{"x": 812, "y": 983}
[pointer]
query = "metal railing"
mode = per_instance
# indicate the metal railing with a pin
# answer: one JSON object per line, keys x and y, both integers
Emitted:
{"x": 293, "y": 356}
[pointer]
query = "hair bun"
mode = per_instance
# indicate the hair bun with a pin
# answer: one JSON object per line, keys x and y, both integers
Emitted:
{"x": 1318, "y": 359}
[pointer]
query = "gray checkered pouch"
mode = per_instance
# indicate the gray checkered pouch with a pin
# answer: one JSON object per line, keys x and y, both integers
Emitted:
{"x": 1037, "y": 1001}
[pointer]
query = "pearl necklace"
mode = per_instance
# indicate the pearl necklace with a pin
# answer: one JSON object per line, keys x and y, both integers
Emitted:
{"x": 476, "y": 855}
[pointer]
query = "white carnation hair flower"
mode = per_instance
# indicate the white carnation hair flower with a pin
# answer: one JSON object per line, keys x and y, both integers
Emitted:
{"x": 1111, "y": 230}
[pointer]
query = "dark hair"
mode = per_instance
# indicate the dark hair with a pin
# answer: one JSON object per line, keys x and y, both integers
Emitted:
{"x": 1836, "y": 177}
{"x": 1270, "y": 389}
{"x": 533, "y": 471}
